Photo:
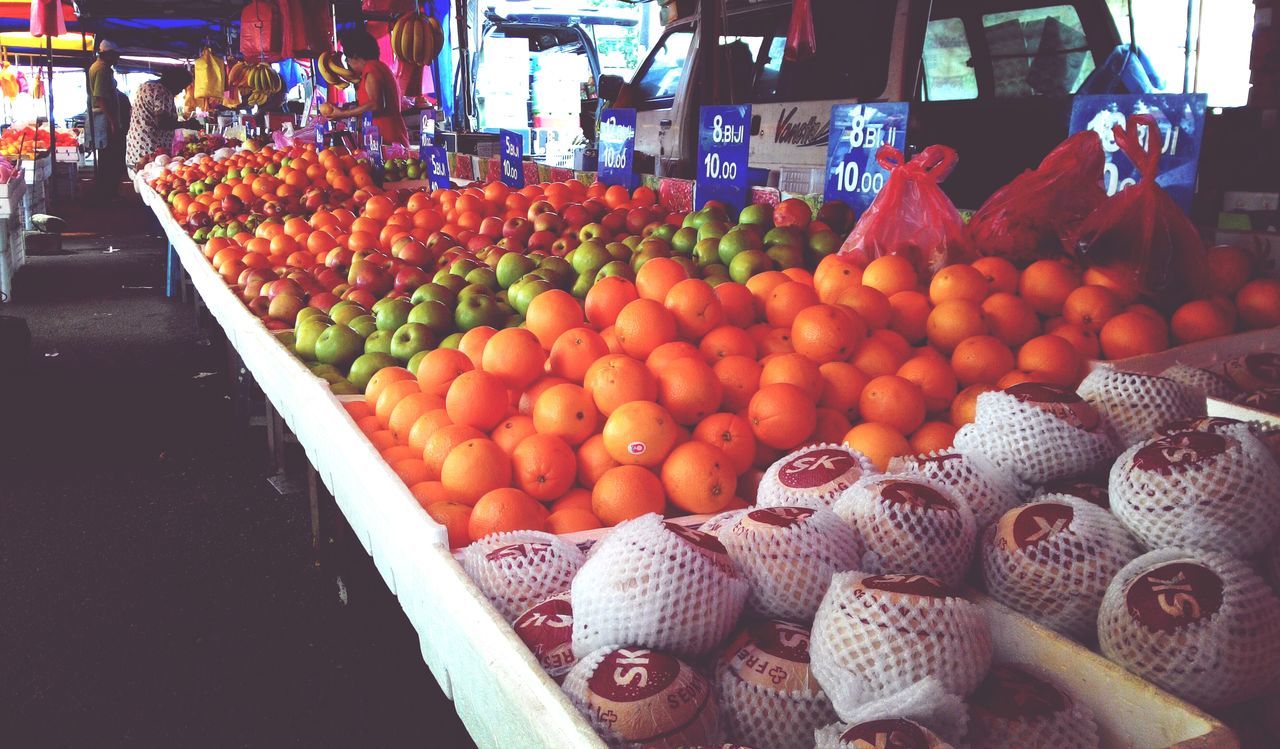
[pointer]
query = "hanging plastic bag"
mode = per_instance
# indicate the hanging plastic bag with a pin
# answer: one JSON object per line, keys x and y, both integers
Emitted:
{"x": 261, "y": 31}
{"x": 802, "y": 41}
{"x": 912, "y": 216}
{"x": 47, "y": 18}
{"x": 1140, "y": 236}
{"x": 37, "y": 91}
{"x": 1037, "y": 214}
{"x": 23, "y": 87}
{"x": 209, "y": 77}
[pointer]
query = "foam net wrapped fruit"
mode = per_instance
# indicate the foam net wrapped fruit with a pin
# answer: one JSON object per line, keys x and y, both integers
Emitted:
{"x": 518, "y": 569}
{"x": 813, "y": 476}
{"x": 658, "y": 585}
{"x": 886, "y": 732}
{"x": 1136, "y": 404}
{"x": 547, "y": 630}
{"x": 988, "y": 490}
{"x": 1016, "y": 709}
{"x": 1200, "y": 624}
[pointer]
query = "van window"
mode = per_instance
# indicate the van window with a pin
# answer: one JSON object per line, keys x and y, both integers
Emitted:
{"x": 853, "y": 42}
{"x": 948, "y": 62}
{"x": 657, "y": 83}
{"x": 1037, "y": 51}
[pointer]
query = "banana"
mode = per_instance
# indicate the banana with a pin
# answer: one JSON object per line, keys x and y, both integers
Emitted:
{"x": 437, "y": 35}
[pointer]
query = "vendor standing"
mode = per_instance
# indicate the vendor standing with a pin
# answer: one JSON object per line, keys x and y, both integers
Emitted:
{"x": 108, "y": 129}
{"x": 155, "y": 116}
{"x": 377, "y": 92}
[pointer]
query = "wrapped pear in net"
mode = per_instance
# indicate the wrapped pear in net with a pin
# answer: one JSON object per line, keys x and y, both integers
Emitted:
{"x": 987, "y": 490}
{"x": 1208, "y": 383}
{"x": 717, "y": 523}
{"x": 1200, "y": 624}
{"x": 518, "y": 569}
{"x": 1135, "y": 404}
{"x": 656, "y": 585}
{"x": 813, "y": 476}
{"x": 788, "y": 555}
{"x": 1038, "y": 432}
{"x": 1052, "y": 559}
{"x": 1266, "y": 399}
{"x": 1016, "y": 709}
{"x": 1199, "y": 489}
{"x": 1253, "y": 371}
{"x": 898, "y": 733}
{"x": 766, "y": 695}
{"x": 547, "y": 630}
{"x": 910, "y": 525}
{"x": 877, "y": 635}
{"x": 644, "y": 699}
{"x": 1091, "y": 488}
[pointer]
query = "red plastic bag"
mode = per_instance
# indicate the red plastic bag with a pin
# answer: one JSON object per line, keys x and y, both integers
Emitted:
{"x": 1036, "y": 216}
{"x": 912, "y": 216}
{"x": 802, "y": 41}
{"x": 1140, "y": 236}
{"x": 47, "y": 18}
{"x": 262, "y": 32}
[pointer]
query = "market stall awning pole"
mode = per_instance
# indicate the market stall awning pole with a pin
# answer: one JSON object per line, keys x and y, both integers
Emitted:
{"x": 462, "y": 95}
{"x": 53, "y": 133}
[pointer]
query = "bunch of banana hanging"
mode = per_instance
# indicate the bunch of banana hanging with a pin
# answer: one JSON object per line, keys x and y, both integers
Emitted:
{"x": 416, "y": 38}
{"x": 333, "y": 72}
{"x": 259, "y": 82}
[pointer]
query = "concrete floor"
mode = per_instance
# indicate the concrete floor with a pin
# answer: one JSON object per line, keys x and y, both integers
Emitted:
{"x": 154, "y": 589}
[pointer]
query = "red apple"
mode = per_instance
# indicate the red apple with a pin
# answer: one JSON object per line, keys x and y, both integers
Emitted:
{"x": 541, "y": 240}
{"x": 410, "y": 277}
{"x": 491, "y": 227}
{"x": 518, "y": 229}
{"x": 564, "y": 245}
{"x": 283, "y": 286}
{"x": 637, "y": 220}
{"x": 339, "y": 257}
{"x": 371, "y": 278}
{"x": 596, "y": 207}
{"x": 548, "y": 222}
{"x": 575, "y": 217}
{"x": 414, "y": 253}
{"x": 615, "y": 221}
{"x": 539, "y": 208}
{"x": 259, "y": 305}
{"x": 362, "y": 297}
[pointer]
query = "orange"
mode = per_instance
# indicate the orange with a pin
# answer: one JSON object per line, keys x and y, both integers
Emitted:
{"x": 572, "y": 520}
{"x": 725, "y": 341}
{"x": 455, "y": 518}
{"x": 831, "y": 427}
{"x": 531, "y": 395}
{"x": 890, "y": 274}
{"x": 397, "y": 453}
{"x": 739, "y": 378}
{"x": 391, "y": 396}
{"x": 730, "y": 433}
{"x": 738, "y": 304}
{"x": 909, "y": 315}
{"x": 477, "y": 399}
{"x": 951, "y": 322}
{"x": 511, "y": 431}
{"x": 958, "y": 282}
{"x": 842, "y": 385}
{"x": 611, "y": 340}
{"x": 552, "y": 313}
{"x": 775, "y": 341}
{"x": 876, "y": 357}
{"x": 381, "y": 379}
{"x": 566, "y": 411}
{"x": 761, "y": 285}
{"x": 1052, "y": 357}
{"x": 505, "y": 509}
{"x": 878, "y": 442}
{"x": 617, "y": 379}
{"x": 966, "y": 401}
{"x": 799, "y": 274}
{"x": 794, "y": 369}
{"x": 695, "y": 307}
{"x": 1229, "y": 268}
{"x": 369, "y": 425}
{"x": 932, "y": 435}
{"x": 1121, "y": 277}
{"x": 689, "y": 390}
{"x": 443, "y": 440}
{"x": 357, "y": 409}
{"x": 409, "y": 410}
{"x": 382, "y": 439}
{"x": 1133, "y": 333}
{"x": 781, "y": 415}
{"x": 1084, "y": 341}
{"x": 429, "y": 492}
{"x": 475, "y": 468}
{"x": 411, "y": 470}
{"x": 643, "y": 325}
{"x": 657, "y": 277}
{"x": 515, "y": 356}
{"x": 593, "y": 460}
{"x": 639, "y": 433}
{"x": 980, "y": 359}
{"x": 439, "y": 368}
{"x": 1046, "y": 284}
{"x": 785, "y": 302}
{"x": 934, "y": 378}
{"x": 1091, "y": 306}
{"x": 578, "y": 499}
{"x": 1010, "y": 318}
{"x": 544, "y": 466}
{"x": 1258, "y": 303}
{"x": 1017, "y": 377}
{"x": 626, "y": 492}
{"x": 1001, "y": 275}
{"x": 893, "y": 401}
{"x": 607, "y": 298}
{"x": 663, "y": 355}
{"x": 826, "y": 333}
{"x": 575, "y": 351}
{"x": 699, "y": 477}
{"x": 474, "y": 342}
{"x": 835, "y": 276}
{"x": 872, "y": 306}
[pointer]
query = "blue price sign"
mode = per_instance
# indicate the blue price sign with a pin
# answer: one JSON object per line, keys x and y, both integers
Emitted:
{"x": 427, "y": 135}
{"x": 857, "y": 132}
{"x": 1180, "y": 118}
{"x": 512, "y": 145}
{"x": 437, "y": 167}
{"x": 321, "y": 129}
{"x": 373, "y": 142}
{"x": 724, "y": 145}
{"x": 618, "y": 147}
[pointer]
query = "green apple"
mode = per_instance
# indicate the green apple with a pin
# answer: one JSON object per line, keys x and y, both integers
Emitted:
{"x": 390, "y": 314}
{"x": 643, "y": 256}
{"x": 485, "y": 277}
{"x": 666, "y": 232}
{"x": 451, "y": 282}
{"x": 694, "y": 219}
{"x": 690, "y": 267}
{"x": 583, "y": 285}
{"x": 326, "y": 372}
{"x": 435, "y": 315}
{"x": 747, "y": 264}
{"x": 559, "y": 266}
{"x": 379, "y": 341}
{"x": 758, "y": 215}
{"x": 285, "y": 337}
{"x": 716, "y": 269}
{"x": 306, "y": 313}
{"x": 715, "y": 279}
{"x": 706, "y": 252}
{"x": 622, "y": 250}
{"x": 737, "y": 241}
{"x": 712, "y": 229}
{"x": 306, "y": 335}
{"x": 364, "y": 325}
{"x": 338, "y": 345}
{"x": 472, "y": 289}
{"x": 366, "y": 366}
{"x": 440, "y": 275}
{"x": 416, "y": 359}
{"x": 521, "y": 298}
{"x": 512, "y": 266}
{"x": 462, "y": 266}
{"x": 684, "y": 240}
{"x": 786, "y": 255}
{"x": 630, "y": 242}
{"x": 433, "y": 292}
{"x": 451, "y": 341}
{"x": 475, "y": 310}
{"x": 343, "y": 387}
{"x": 590, "y": 256}
{"x": 616, "y": 268}
{"x": 343, "y": 312}
{"x": 823, "y": 243}
{"x": 784, "y": 235}
{"x": 411, "y": 338}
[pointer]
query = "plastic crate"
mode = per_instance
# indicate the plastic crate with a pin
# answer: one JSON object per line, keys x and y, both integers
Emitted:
{"x": 11, "y": 196}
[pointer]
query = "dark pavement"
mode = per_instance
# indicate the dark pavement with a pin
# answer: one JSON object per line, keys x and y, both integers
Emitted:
{"x": 154, "y": 589}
